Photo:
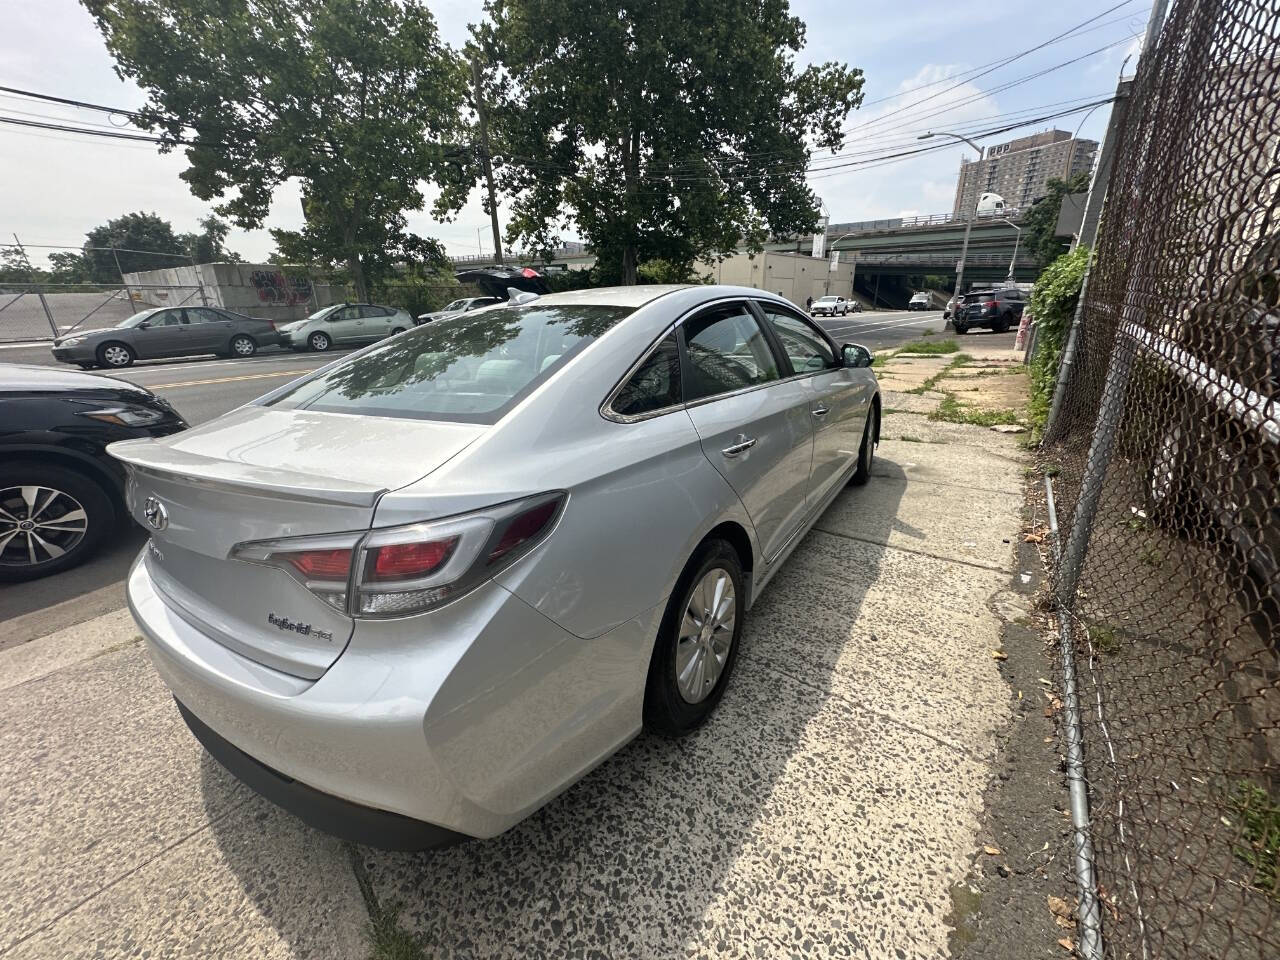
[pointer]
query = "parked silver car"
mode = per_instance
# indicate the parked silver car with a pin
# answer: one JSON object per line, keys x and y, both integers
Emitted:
{"x": 345, "y": 325}
{"x": 416, "y": 594}
{"x": 167, "y": 332}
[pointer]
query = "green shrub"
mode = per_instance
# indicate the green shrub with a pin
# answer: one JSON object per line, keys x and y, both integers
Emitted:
{"x": 1053, "y": 304}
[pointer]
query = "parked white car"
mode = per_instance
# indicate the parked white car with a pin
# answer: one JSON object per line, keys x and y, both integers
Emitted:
{"x": 457, "y": 308}
{"x": 345, "y": 325}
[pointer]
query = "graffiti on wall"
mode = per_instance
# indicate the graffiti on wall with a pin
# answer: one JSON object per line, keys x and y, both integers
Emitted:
{"x": 281, "y": 289}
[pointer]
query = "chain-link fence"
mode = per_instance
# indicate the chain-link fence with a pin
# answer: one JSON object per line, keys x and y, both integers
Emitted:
{"x": 41, "y": 311}
{"x": 1166, "y": 457}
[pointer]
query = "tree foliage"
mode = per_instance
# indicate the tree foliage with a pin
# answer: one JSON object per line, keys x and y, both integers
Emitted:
{"x": 1053, "y": 304}
{"x": 358, "y": 100}
{"x": 138, "y": 241}
{"x": 662, "y": 130}
{"x": 1039, "y": 225}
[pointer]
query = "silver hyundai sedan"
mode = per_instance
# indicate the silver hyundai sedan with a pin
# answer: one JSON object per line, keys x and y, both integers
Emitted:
{"x": 417, "y": 593}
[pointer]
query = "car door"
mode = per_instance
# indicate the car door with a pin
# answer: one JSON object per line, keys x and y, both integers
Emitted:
{"x": 754, "y": 424}
{"x": 208, "y": 330}
{"x": 345, "y": 324}
{"x": 163, "y": 336}
{"x": 840, "y": 396}
{"x": 377, "y": 321}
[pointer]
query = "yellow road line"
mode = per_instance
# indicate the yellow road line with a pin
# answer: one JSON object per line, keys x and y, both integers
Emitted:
{"x": 247, "y": 376}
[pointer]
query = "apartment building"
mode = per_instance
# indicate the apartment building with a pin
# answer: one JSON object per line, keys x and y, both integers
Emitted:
{"x": 1021, "y": 169}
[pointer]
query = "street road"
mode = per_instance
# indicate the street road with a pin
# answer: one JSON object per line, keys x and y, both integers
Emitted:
{"x": 204, "y": 388}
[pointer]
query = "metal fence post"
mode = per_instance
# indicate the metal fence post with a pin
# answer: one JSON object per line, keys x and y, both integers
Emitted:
{"x": 127, "y": 292}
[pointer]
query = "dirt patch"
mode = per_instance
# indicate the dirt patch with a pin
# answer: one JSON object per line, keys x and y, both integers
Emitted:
{"x": 1004, "y": 392}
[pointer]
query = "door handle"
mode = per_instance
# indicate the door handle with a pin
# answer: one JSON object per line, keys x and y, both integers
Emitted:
{"x": 740, "y": 445}
{"x": 821, "y": 410}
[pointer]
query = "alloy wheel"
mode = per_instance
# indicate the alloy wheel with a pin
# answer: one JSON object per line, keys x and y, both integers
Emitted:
{"x": 39, "y": 524}
{"x": 116, "y": 355}
{"x": 319, "y": 342}
{"x": 705, "y": 635}
{"x": 243, "y": 346}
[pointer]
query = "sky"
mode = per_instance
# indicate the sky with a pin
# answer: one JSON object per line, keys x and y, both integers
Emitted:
{"x": 54, "y": 187}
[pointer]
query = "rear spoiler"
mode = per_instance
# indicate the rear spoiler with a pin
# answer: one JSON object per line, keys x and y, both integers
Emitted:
{"x": 157, "y": 459}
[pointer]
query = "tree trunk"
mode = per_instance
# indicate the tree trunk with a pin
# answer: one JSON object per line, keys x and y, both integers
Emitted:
{"x": 629, "y": 265}
{"x": 357, "y": 277}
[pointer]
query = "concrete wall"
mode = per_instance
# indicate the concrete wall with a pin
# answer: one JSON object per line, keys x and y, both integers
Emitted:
{"x": 280, "y": 293}
{"x": 792, "y": 275}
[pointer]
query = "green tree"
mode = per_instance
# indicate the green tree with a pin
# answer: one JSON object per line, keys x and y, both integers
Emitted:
{"x": 65, "y": 267}
{"x": 358, "y": 100}
{"x": 1039, "y": 225}
{"x": 664, "y": 129}
{"x": 209, "y": 244}
{"x": 140, "y": 241}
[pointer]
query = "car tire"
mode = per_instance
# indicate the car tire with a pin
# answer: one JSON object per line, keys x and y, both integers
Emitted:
{"x": 1002, "y": 325}
{"x": 867, "y": 452}
{"x": 116, "y": 355}
{"x": 319, "y": 342}
{"x": 243, "y": 345}
{"x": 395, "y": 330}
{"x": 961, "y": 328}
{"x": 74, "y": 492}
{"x": 668, "y": 708}
{"x": 86, "y": 366}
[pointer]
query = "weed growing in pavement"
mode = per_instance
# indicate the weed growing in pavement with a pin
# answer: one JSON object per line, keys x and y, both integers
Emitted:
{"x": 1259, "y": 845}
{"x": 929, "y": 333}
{"x": 908, "y": 439}
{"x": 959, "y": 360}
{"x": 1151, "y": 557}
{"x": 950, "y": 411}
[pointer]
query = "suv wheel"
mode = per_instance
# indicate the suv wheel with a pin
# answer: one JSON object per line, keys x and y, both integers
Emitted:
{"x": 961, "y": 328}
{"x": 697, "y": 642}
{"x": 51, "y": 518}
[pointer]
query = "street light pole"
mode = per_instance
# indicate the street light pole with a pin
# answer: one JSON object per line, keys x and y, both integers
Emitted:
{"x": 1016, "y": 239}
{"x": 973, "y": 211}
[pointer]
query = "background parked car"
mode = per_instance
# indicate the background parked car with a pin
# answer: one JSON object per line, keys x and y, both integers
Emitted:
{"x": 464, "y": 305}
{"x": 60, "y": 493}
{"x": 345, "y": 325}
{"x": 948, "y": 312}
{"x": 830, "y": 307}
{"x": 922, "y": 300}
{"x": 996, "y": 310}
{"x": 167, "y": 332}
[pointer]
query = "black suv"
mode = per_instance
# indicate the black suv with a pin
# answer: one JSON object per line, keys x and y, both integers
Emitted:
{"x": 996, "y": 310}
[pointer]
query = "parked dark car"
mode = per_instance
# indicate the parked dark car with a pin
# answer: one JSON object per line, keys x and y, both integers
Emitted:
{"x": 60, "y": 493}
{"x": 167, "y": 332}
{"x": 996, "y": 310}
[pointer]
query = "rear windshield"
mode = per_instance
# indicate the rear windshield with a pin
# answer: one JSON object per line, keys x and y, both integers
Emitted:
{"x": 472, "y": 368}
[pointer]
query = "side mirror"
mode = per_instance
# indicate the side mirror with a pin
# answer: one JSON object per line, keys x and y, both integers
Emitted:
{"x": 856, "y": 355}
{"x": 145, "y": 324}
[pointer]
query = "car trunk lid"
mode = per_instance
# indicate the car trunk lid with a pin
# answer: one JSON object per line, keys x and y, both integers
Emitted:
{"x": 263, "y": 474}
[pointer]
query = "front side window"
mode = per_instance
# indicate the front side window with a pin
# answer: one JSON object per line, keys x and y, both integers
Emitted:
{"x": 655, "y": 385}
{"x": 807, "y": 349}
{"x": 167, "y": 318}
{"x": 727, "y": 351}
{"x": 471, "y": 368}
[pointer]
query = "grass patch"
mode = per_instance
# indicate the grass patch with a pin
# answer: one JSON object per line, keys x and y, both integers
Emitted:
{"x": 881, "y": 361}
{"x": 926, "y": 346}
{"x": 929, "y": 333}
{"x": 1259, "y": 844}
{"x": 950, "y": 411}
{"x": 390, "y": 941}
{"x": 959, "y": 360}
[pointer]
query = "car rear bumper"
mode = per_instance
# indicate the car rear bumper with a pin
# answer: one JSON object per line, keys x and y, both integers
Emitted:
{"x": 461, "y": 721}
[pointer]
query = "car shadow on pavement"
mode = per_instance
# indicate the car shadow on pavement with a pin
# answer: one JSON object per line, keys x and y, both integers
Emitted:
{"x": 671, "y": 848}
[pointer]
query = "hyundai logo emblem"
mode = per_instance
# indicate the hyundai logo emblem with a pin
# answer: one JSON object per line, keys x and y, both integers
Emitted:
{"x": 156, "y": 515}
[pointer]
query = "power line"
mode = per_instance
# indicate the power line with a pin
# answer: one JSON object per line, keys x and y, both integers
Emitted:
{"x": 85, "y": 131}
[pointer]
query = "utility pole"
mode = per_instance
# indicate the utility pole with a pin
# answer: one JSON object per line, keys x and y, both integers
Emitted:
{"x": 486, "y": 159}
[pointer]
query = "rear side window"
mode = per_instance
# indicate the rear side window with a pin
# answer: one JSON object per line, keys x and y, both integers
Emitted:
{"x": 727, "y": 351}
{"x": 471, "y": 368}
{"x": 654, "y": 386}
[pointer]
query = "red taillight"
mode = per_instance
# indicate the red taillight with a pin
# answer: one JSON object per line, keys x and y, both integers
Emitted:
{"x": 321, "y": 564}
{"x": 990, "y": 304}
{"x": 409, "y": 561}
{"x": 524, "y": 527}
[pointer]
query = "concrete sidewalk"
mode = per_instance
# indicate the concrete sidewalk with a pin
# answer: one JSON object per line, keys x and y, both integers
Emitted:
{"x": 827, "y": 809}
